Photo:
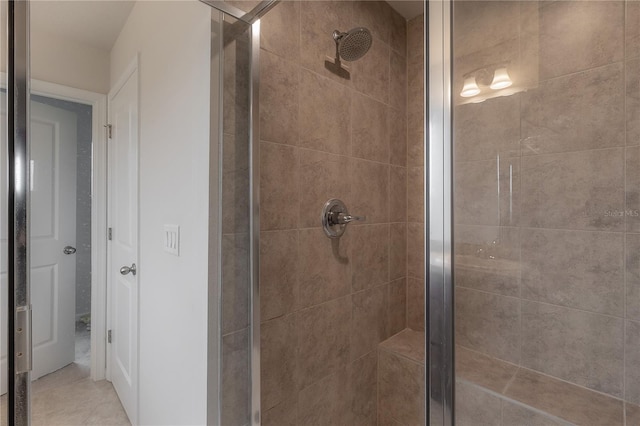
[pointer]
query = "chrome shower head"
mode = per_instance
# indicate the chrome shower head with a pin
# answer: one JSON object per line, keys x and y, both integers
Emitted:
{"x": 353, "y": 44}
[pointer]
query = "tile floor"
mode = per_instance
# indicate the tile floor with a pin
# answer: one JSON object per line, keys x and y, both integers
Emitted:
{"x": 69, "y": 397}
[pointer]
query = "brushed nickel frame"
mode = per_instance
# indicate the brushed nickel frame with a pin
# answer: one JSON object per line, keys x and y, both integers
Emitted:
{"x": 19, "y": 318}
{"x": 438, "y": 197}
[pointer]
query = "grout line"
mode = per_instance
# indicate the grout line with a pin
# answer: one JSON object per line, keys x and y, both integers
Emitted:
{"x": 542, "y": 302}
{"x": 532, "y": 228}
{"x": 510, "y": 381}
{"x": 533, "y": 156}
{"x": 582, "y": 71}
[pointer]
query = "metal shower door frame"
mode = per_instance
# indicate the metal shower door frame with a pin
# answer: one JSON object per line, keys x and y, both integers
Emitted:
{"x": 252, "y": 19}
{"x": 19, "y": 303}
{"x": 438, "y": 207}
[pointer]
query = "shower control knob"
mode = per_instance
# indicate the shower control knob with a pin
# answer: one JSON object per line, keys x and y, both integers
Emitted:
{"x": 336, "y": 217}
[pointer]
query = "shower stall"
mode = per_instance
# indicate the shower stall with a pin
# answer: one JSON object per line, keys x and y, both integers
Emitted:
{"x": 522, "y": 162}
{"x": 421, "y": 212}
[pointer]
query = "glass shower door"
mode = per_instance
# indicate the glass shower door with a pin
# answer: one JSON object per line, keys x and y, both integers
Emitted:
{"x": 545, "y": 153}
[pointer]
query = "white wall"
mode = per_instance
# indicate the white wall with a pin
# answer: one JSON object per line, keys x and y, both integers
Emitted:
{"x": 173, "y": 41}
{"x": 69, "y": 62}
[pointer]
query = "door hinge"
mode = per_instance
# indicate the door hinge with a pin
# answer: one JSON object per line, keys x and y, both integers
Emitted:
{"x": 109, "y": 336}
{"x": 109, "y": 130}
{"x": 109, "y": 234}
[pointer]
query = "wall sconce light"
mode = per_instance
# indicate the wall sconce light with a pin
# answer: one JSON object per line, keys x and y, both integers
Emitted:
{"x": 501, "y": 79}
{"x": 493, "y": 76}
{"x": 470, "y": 87}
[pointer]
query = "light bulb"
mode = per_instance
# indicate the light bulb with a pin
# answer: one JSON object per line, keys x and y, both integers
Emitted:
{"x": 501, "y": 79}
{"x": 470, "y": 87}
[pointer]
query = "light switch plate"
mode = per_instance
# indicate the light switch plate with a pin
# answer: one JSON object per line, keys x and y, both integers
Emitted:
{"x": 172, "y": 239}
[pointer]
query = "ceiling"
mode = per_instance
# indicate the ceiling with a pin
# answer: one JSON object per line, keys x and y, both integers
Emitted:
{"x": 96, "y": 23}
{"x": 407, "y": 8}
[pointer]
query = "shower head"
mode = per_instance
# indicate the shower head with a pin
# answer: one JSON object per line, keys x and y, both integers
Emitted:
{"x": 353, "y": 44}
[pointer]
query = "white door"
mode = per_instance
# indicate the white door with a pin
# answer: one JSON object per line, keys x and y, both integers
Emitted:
{"x": 53, "y": 152}
{"x": 123, "y": 248}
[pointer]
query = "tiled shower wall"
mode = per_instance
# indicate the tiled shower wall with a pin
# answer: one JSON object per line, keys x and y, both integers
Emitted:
{"x": 415, "y": 174}
{"x": 547, "y": 185}
{"x": 326, "y": 304}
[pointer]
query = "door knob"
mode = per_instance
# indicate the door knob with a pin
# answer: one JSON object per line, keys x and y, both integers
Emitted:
{"x": 69, "y": 250}
{"x": 128, "y": 269}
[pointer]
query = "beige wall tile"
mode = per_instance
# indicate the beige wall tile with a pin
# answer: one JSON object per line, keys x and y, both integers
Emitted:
{"x": 577, "y": 269}
{"x": 322, "y": 177}
{"x": 385, "y": 420}
{"x": 564, "y": 400}
{"x": 484, "y": 131}
{"x": 575, "y": 36}
{"x": 632, "y": 28}
{"x": 632, "y": 414}
{"x": 277, "y": 361}
{"x": 632, "y": 189}
{"x": 415, "y": 88}
{"x": 278, "y": 98}
{"x": 480, "y": 199}
{"x": 369, "y": 320}
{"x": 578, "y": 190}
{"x": 323, "y": 342}
{"x": 235, "y": 282}
{"x": 632, "y": 362}
{"x": 370, "y": 190}
{"x": 398, "y": 81}
{"x": 475, "y": 406}
{"x": 516, "y": 414}
{"x": 397, "y": 250}
{"x": 369, "y": 126}
{"x": 278, "y": 185}
{"x": 581, "y": 347}
{"x": 283, "y": 414}
{"x": 488, "y": 323}
{"x": 633, "y": 100}
{"x": 591, "y": 117}
{"x": 369, "y": 256}
{"x": 632, "y": 276}
{"x": 397, "y": 194}
{"x": 235, "y": 378}
{"x": 280, "y": 30}
{"x": 235, "y": 185}
{"x": 398, "y": 33}
{"x": 408, "y": 344}
{"x": 415, "y": 140}
{"x": 363, "y": 380}
{"x": 483, "y": 370}
{"x": 483, "y": 24}
{"x": 325, "y": 114}
{"x": 236, "y": 82}
{"x": 400, "y": 388}
{"x": 397, "y": 136}
{"x": 415, "y": 194}
{"x": 278, "y": 273}
{"x": 371, "y": 72}
{"x": 324, "y": 268}
{"x": 415, "y": 250}
{"x": 415, "y": 35}
{"x": 415, "y": 304}
{"x": 488, "y": 259}
{"x": 326, "y": 401}
{"x": 397, "y": 311}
